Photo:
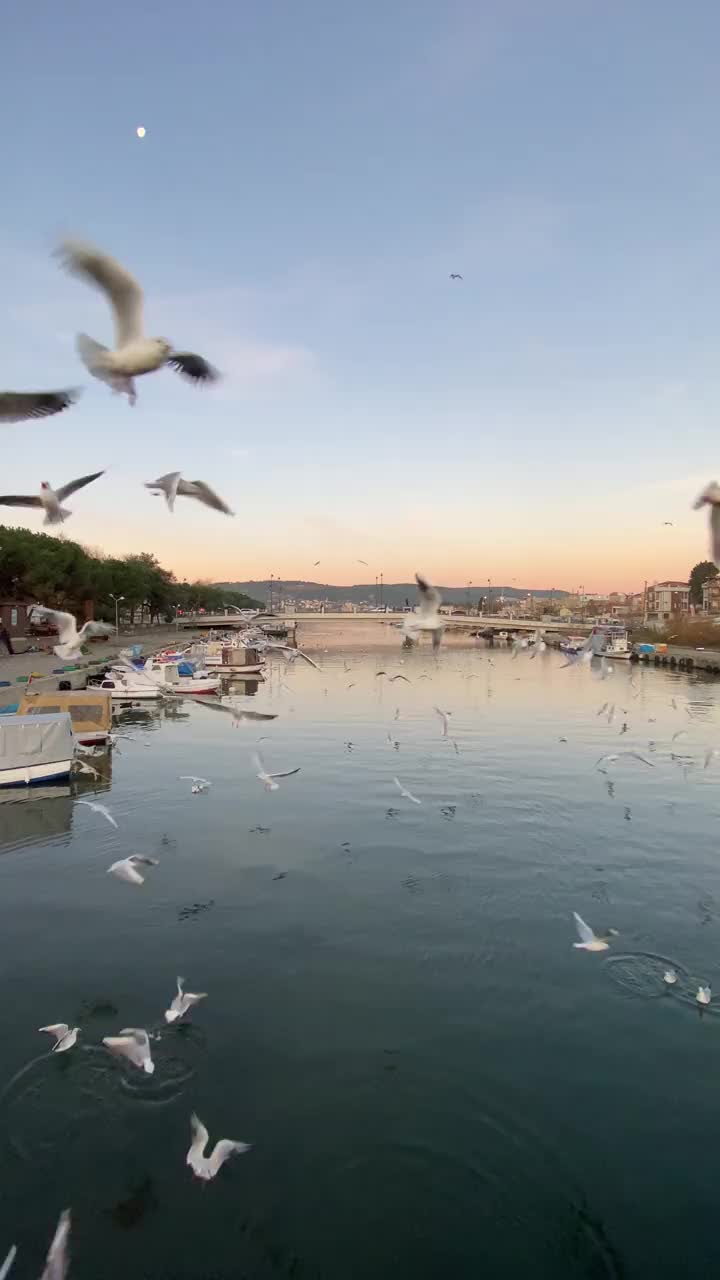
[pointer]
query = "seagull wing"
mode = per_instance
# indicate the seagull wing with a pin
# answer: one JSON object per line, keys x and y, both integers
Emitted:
{"x": 287, "y": 774}
{"x": 206, "y": 495}
{"x": 585, "y": 933}
{"x": 5, "y": 1268}
{"x": 19, "y": 406}
{"x": 96, "y": 629}
{"x": 65, "y": 623}
{"x": 430, "y": 599}
{"x": 120, "y": 288}
{"x": 224, "y": 1148}
{"x": 19, "y": 500}
{"x": 715, "y": 533}
{"x": 56, "y": 1029}
{"x": 200, "y": 1139}
{"x": 193, "y": 367}
{"x": 74, "y": 485}
{"x": 56, "y": 1264}
{"x": 169, "y": 486}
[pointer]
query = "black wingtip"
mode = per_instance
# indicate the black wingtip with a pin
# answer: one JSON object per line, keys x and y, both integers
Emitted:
{"x": 193, "y": 367}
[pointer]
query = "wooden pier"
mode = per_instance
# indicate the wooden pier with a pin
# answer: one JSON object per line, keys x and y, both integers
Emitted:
{"x": 682, "y": 659}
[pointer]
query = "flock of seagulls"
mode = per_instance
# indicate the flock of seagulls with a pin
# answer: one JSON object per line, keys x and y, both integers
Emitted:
{"x": 133, "y": 355}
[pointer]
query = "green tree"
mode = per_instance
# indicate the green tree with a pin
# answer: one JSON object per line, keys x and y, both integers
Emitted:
{"x": 701, "y": 572}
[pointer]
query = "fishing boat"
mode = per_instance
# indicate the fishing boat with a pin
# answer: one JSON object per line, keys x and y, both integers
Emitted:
{"x": 181, "y": 677}
{"x": 125, "y": 686}
{"x": 35, "y": 748}
{"x": 232, "y": 654}
{"x": 610, "y": 641}
{"x": 90, "y": 711}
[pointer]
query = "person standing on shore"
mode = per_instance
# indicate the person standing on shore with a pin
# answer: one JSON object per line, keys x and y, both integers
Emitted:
{"x": 5, "y": 638}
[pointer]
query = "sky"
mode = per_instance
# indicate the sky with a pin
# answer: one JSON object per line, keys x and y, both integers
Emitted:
{"x": 310, "y": 176}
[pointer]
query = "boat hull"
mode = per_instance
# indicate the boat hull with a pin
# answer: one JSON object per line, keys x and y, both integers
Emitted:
{"x": 35, "y": 774}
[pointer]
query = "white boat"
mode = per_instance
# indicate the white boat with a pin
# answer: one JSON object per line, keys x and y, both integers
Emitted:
{"x": 122, "y": 685}
{"x": 610, "y": 641}
{"x": 35, "y": 749}
{"x": 166, "y": 675}
{"x": 232, "y": 655}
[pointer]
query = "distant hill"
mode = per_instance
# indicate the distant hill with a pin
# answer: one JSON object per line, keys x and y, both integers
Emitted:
{"x": 395, "y": 594}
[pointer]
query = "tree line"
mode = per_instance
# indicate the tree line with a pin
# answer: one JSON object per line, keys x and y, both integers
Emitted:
{"x": 64, "y": 575}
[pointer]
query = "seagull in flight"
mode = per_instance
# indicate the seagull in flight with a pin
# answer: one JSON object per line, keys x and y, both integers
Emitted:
{"x": 455, "y": 275}
{"x": 183, "y": 1001}
{"x": 21, "y": 406}
{"x": 99, "y": 808}
{"x": 610, "y": 759}
{"x": 584, "y": 654}
{"x": 406, "y": 795}
{"x": 133, "y": 354}
{"x": 363, "y": 562}
{"x": 199, "y": 785}
{"x": 269, "y": 779}
{"x": 590, "y": 941}
{"x": 127, "y": 868}
{"x": 711, "y": 496}
{"x": 427, "y": 615}
{"x": 206, "y": 1167}
{"x": 7, "y": 1264}
{"x": 134, "y": 1044}
{"x": 667, "y": 524}
{"x": 49, "y": 499}
{"x": 173, "y": 486}
{"x": 287, "y": 651}
{"x": 69, "y": 638}
{"x": 239, "y": 714}
{"x": 65, "y": 1038}
{"x": 445, "y": 718}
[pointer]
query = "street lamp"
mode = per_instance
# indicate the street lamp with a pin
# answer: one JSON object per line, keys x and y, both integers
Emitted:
{"x": 117, "y": 600}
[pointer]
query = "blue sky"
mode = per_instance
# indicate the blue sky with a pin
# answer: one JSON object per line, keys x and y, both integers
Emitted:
{"x": 310, "y": 176}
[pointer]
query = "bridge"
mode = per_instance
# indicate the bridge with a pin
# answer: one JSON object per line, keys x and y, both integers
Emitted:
{"x": 234, "y": 621}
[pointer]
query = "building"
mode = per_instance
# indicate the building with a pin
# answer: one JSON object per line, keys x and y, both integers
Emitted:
{"x": 711, "y": 595}
{"x": 663, "y": 599}
{"x": 14, "y": 616}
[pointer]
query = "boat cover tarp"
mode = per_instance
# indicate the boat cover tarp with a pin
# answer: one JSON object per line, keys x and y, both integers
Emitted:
{"x": 89, "y": 709}
{"x": 36, "y": 739}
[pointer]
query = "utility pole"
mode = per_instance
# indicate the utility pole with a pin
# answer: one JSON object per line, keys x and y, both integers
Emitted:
{"x": 270, "y": 585}
{"x": 381, "y": 590}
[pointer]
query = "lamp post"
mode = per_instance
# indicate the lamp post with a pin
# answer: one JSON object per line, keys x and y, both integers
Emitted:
{"x": 117, "y": 600}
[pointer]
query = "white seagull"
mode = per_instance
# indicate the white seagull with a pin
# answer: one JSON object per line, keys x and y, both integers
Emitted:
{"x": 83, "y": 767}
{"x": 704, "y": 995}
{"x": 445, "y": 718}
{"x": 670, "y": 977}
{"x": 239, "y": 714}
{"x": 99, "y": 808}
{"x": 70, "y": 639}
{"x": 711, "y": 496}
{"x": 57, "y": 1261}
{"x": 183, "y": 1001}
{"x": 127, "y": 868}
{"x": 427, "y": 616}
{"x": 5, "y": 1268}
{"x": 406, "y": 795}
{"x": 539, "y": 645}
{"x": 65, "y": 1038}
{"x": 199, "y": 785}
{"x": 20, "y": 406}
{"x": 134, "y": 354}
{"x": 133, "y": 1044}
{"x": 584, "y": 654}
{"x": 590, "y": 941}
{"x": 203, "y": 1166}
{"x": 173, "y": 486}
{"x": 288, "y": 652}
{"x": 269, "y": 779}
{"x": 49, "y": 499}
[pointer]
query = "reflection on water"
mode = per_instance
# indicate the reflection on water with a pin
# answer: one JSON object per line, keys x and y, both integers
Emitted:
{"x": 434, "y": 1082}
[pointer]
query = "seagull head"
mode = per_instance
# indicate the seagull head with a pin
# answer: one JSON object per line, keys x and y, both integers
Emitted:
{"x": 44, "y": 484}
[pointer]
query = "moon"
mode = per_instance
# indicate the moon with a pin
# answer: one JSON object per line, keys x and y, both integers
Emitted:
{"x": 140, "y": 131}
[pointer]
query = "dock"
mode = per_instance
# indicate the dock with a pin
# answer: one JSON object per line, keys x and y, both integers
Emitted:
{"x": 683, "y": 659}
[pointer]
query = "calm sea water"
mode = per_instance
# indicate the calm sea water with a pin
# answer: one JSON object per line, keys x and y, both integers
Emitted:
{"x": 434, "y": 1081}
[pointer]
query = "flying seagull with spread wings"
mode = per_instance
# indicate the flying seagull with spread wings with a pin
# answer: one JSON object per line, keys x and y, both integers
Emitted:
{"x": 20, "y": 406}
{"x": 133, "y": 354}
{"x": 455, "y": 275}
{"x": 173, "y": 486}
{"x": 49, "y": 499}
{"x": 69, "y": 647}
{"x": 711, "y": 496}
{"x": 427, "y": 616}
